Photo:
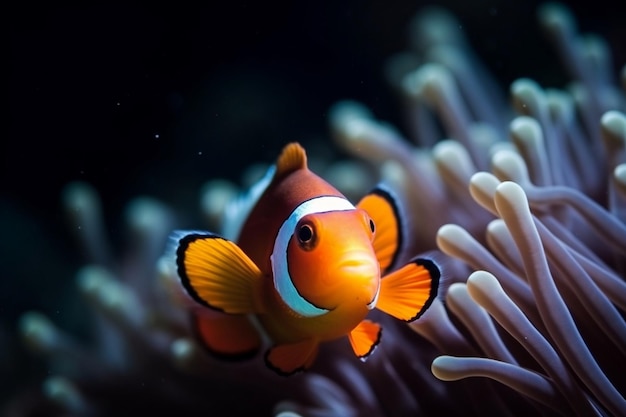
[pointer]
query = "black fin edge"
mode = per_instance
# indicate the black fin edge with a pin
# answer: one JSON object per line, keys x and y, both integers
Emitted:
{"x": 279, "y": 371}
{"x": 384, "y": 192}
{"x": 435, "y": 275}
{"x": 369, "y": 353}
{"x": 183, "y": 244}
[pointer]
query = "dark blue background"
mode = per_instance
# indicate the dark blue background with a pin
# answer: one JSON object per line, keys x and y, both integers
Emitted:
{"x": 90, "y": 87}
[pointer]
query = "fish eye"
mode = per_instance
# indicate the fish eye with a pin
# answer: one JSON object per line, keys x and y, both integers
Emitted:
{"x": 305, "y": 233}
{"x": 306, "y": 236}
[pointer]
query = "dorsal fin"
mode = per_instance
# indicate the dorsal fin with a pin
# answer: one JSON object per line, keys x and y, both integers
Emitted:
{"x": 292, "y": 158}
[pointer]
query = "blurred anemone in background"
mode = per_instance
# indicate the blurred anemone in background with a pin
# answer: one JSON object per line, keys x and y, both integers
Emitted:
{"x": 525, "y": 197}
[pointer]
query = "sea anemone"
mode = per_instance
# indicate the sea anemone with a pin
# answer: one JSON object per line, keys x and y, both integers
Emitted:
{"x": 542, "y": 309}
{"x": 524, "y": 207}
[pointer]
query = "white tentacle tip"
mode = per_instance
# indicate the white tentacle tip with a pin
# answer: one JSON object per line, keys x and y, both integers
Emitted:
{"x": 614, "y": 128}
{"x": 145, "y": 214}
{"x": 484, "y": 280}
{"x": 509, "y": 166}
{"x": 445, "y": 368}
{"x": 528, "y": 97}
{"x": 38, "y": 332}
{"x": 482, "y": 188}
{"x": 451, "y": 233}
{"x": 526, "y": 131}
{"x": 510, "y": 196}
{"x": 557, "y": 17}
{"x": 428, "y": 82}
{"x": 64, "y": 393}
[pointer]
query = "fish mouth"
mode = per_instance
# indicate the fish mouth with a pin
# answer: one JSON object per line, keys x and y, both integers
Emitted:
{"x": 356, "y": 268}
{"x": 366, "y": 275}
{"x": 360, "y": 269}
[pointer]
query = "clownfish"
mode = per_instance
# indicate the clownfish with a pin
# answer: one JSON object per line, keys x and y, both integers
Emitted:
{"x": 307, "y": 267}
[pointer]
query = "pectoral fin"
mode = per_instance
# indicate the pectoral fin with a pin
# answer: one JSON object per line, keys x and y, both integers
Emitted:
{"x": 217, "y": 273}
{"x": 407, "y": 292}
{"x": 295, "y": 357}
{"x": 383, "y": 208}
{"x": 230, "y": 337}
{"x": 364, "y": 338}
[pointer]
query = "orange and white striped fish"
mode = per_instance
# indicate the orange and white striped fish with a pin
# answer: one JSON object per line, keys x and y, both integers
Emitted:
{"x": 308, "y": 267}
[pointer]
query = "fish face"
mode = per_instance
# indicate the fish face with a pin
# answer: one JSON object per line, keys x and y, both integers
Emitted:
{"x": 332, "y": 261}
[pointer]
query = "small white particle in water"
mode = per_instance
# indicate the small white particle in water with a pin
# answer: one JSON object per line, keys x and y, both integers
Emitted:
{"x": 200, "y": 153}
{"x": 156, "y": 136}
{"x": 118, "y": 103}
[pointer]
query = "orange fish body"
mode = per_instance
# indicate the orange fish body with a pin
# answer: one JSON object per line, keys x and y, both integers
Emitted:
{"x": 306, "y": 268}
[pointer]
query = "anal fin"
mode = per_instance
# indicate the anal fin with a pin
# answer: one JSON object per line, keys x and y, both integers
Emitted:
{"x": 407, "y": 292}
{"x": 230, "y": 337}
{"x": 290, "y": 358}
{"x": 364, "y": 338}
